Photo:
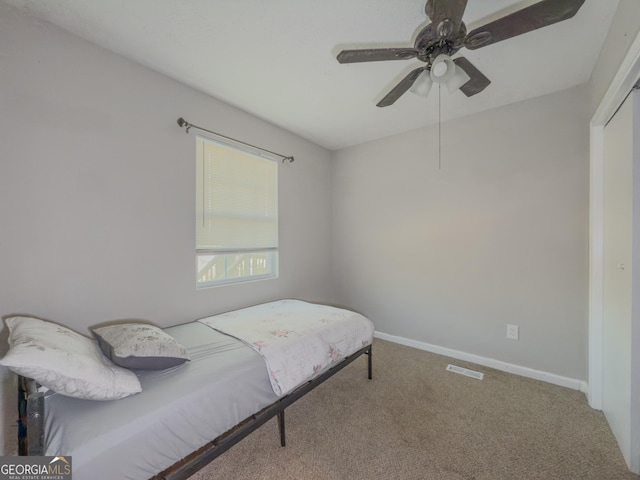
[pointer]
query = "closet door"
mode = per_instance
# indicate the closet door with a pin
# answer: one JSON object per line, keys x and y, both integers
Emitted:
{"x": 620, "y": 221}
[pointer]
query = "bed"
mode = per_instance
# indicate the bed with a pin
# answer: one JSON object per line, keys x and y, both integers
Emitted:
{"x": 189, "y": 414}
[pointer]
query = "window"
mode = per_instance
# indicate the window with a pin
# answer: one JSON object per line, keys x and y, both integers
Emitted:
{"x": 236, "y": 214}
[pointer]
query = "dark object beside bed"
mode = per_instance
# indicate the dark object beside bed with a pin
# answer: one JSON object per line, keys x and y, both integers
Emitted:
{"x": 30, "y": 417}
{"x": 34, "y": 440}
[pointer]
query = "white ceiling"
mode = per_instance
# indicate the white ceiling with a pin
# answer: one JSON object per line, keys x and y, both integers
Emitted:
{"x": 277, "y": 58}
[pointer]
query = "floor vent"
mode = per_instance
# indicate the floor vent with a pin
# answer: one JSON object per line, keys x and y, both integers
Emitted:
{"x": 465, "y": 371}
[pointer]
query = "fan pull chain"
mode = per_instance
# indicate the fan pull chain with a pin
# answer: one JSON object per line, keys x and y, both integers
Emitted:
{"x": 439, "y": 132}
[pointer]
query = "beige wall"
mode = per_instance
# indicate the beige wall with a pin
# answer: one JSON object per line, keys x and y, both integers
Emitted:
{"x": 498, "y": 235}
{"x": 97, "y": 188}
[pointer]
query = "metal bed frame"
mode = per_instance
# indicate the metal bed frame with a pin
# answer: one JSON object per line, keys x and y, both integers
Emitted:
{"x": 31, "y": 421}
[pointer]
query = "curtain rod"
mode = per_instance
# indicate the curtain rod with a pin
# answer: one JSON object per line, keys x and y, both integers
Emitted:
{"x": 183, "y": 123}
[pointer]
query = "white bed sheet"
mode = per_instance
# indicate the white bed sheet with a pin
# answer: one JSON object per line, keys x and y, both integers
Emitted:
{"x": 224, "y": 383}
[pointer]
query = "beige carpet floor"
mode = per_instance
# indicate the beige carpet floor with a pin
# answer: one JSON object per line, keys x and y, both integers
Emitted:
{"x": 415, "y": 420}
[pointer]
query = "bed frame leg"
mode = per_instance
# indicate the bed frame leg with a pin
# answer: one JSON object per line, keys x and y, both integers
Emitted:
{"x": 370, "y": 355}
{"x": 281, "y": 427}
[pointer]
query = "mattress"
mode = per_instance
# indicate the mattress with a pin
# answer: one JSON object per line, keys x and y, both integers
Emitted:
{"x": 224, "y": 383}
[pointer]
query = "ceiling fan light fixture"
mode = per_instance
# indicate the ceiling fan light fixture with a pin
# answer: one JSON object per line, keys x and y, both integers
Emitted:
{"x": 460, "y": 77}
{"x": 442, "y": 69}
{"x": 422, "y": 85}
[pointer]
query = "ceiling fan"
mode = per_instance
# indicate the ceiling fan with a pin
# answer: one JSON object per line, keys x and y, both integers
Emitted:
{"x": 447, "y": 34}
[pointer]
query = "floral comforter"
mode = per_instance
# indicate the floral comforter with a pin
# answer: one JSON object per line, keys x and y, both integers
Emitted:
{"x": 298, "y": 340}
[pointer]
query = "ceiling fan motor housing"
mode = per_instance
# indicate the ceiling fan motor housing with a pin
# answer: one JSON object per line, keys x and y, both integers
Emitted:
{"x": 430, "y": 43}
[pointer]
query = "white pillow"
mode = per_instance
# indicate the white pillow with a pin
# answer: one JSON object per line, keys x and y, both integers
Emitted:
{"x": 65, "y": 361}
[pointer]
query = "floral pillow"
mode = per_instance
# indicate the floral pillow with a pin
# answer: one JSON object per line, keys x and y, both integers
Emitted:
{"x": 140, "y": 346}
{"x": 65, "y": 361}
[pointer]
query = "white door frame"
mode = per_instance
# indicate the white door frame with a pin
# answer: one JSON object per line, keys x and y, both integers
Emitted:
{"x": 621, "y": 85}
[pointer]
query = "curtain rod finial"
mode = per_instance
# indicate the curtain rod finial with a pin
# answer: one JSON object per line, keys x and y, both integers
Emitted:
{"x": 182, "y": 122}
{"x": 291, "y": 159}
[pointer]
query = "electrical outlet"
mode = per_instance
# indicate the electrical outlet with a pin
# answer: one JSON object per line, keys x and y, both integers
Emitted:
{"x": 512, "y": 332}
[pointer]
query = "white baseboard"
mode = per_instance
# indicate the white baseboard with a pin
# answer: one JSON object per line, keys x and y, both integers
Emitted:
{"x": 573, "y": 383}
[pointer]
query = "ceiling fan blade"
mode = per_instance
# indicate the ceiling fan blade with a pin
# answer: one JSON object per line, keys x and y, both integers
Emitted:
{"x": 445, "y": 15}
{"x": 397, "y": 91}
{"x": 538, "y": 15}
{"x": 376, "y": 54}
{"x": 478, "y": 81}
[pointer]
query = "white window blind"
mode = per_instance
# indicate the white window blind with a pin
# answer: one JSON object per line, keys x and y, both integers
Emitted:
{"x": 236, "y": 214}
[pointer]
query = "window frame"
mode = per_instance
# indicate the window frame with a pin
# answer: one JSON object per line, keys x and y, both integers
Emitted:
{"x": 272, "y": 253}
